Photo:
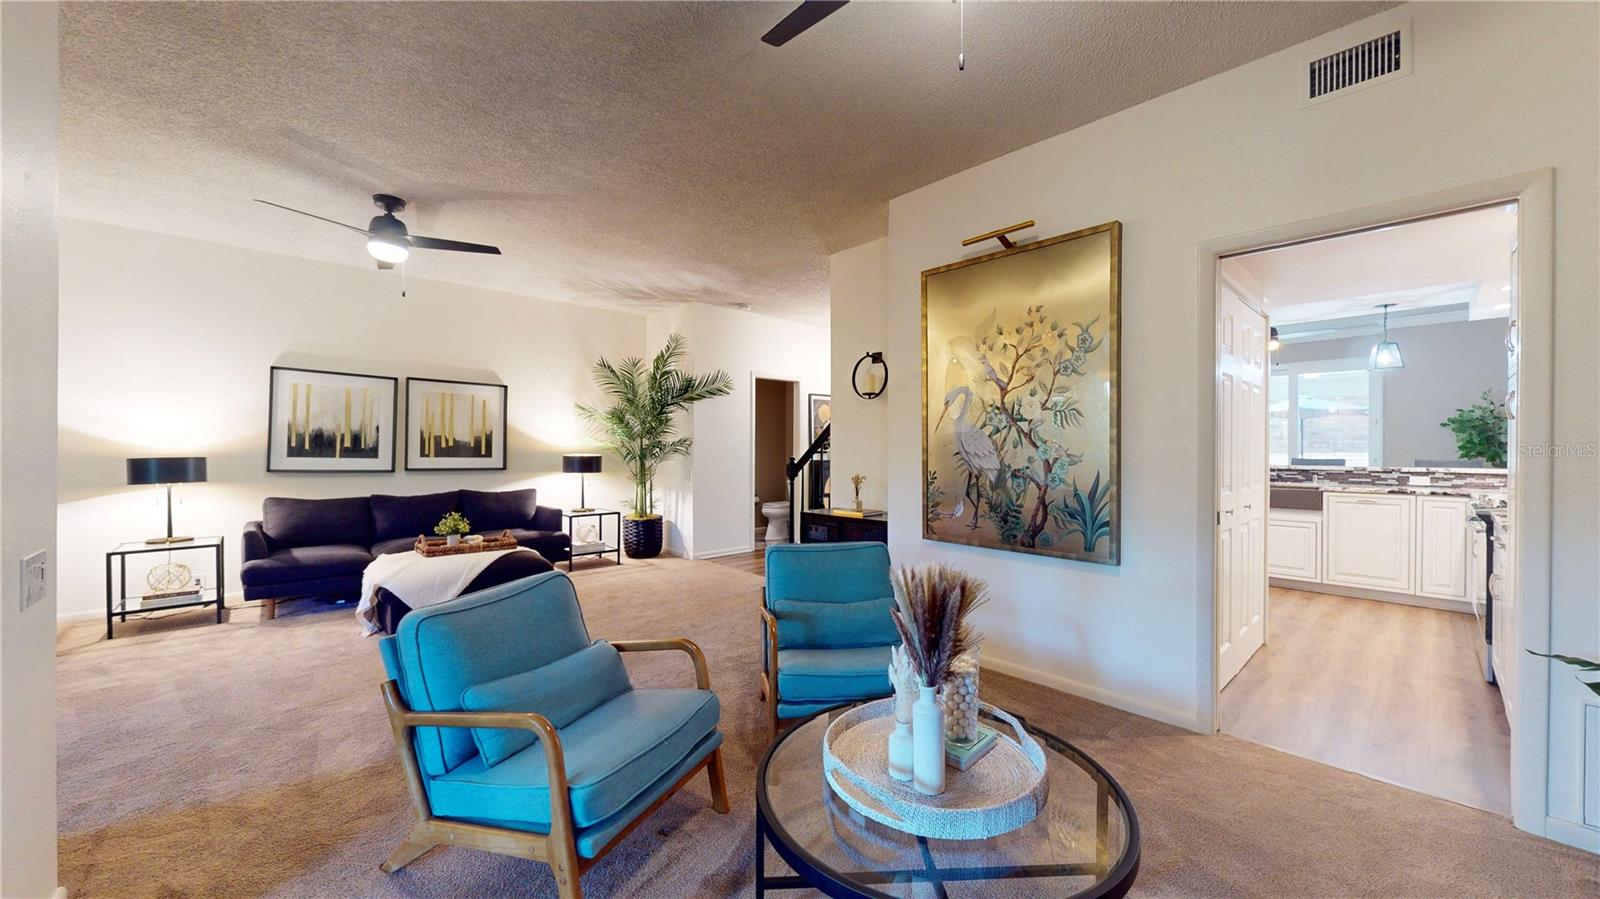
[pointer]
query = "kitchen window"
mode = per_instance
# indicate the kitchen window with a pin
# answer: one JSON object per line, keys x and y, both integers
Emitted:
{"x": 1325, "y": 411}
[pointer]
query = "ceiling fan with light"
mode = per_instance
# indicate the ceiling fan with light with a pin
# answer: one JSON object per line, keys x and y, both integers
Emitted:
{"x": 808, "y": 13}
{"x": 388, "y": 241}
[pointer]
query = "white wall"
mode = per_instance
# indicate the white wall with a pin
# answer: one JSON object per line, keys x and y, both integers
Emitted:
{"x": 28, "y": 158}
{"x": 859, "y": 325}
{"x": 720, "y": 476}
{"x": 1448, "y": 367}
{"x": 165, "y": 347}
{"x": 1498, "y": 89}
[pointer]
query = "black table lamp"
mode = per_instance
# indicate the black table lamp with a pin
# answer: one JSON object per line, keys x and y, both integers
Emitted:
{"x": 167, "y": 471}
{"x": 581, "y": 464}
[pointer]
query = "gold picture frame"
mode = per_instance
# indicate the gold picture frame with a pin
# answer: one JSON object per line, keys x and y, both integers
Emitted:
{"x": 1023, "y": 452}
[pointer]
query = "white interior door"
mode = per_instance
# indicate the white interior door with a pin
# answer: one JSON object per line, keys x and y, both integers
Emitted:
{"x": 1241, "y": 483}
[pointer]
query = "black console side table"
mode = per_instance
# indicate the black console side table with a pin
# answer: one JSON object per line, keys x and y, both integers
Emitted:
{"x": 602, "y": 548}
{"x": 119, "y": 605}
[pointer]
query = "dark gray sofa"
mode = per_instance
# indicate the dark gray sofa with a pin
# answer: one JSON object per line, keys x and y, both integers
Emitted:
{"x": 320, "y": 547}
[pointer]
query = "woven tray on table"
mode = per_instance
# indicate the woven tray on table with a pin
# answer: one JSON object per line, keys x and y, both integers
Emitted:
{"x": 1001, "y": 791}
{"x": 438, "y": 546}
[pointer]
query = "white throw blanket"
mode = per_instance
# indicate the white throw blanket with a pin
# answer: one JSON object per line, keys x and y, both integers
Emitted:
{"x": 418, "y": 580}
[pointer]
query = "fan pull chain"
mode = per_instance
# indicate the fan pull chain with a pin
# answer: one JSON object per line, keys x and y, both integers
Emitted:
{"x": 402, "y": 280}
{"x": 961, "y": 55}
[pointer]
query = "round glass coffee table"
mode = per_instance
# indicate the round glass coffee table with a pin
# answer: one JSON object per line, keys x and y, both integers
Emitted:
{"x": 1085, "y": 842}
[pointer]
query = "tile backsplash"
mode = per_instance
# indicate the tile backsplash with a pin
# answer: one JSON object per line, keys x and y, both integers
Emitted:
{"x": 1488, "y": 479}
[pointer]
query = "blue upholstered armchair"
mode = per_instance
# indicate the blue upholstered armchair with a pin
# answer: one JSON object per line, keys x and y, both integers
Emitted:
{"x": 827, "y": 628}
{"x": 519, "y": 735}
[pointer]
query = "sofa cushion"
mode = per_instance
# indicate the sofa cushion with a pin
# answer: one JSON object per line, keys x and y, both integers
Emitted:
{"x": 562, "y": 691}
{"x": 616, "y": 752}
{"x": 314, "y": 522}
{"x": 397, "y": 545}
{"x": 305, "y": 563}
{"x": 821, "y": 675}
{"x": 394, "y": 517}
{"x": 834, "y": 625}
{"x": 494, "y": 510}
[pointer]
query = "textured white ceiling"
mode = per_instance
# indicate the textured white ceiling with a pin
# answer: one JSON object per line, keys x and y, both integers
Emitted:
{"x": 619, "y": 153}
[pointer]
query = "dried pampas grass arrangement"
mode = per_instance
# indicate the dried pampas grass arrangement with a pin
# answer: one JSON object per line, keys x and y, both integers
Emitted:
{"x": 931, "y": 605}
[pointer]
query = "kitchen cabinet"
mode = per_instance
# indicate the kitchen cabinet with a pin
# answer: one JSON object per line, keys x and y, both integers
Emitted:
{"x": 1294, "y": 544}
{"x": 1369, "y": 541}
{"x": 1442, "y": 547}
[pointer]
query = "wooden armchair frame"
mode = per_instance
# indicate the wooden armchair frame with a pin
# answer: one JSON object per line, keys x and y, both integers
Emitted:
{"x": 769, "y": 678}
{"x": 559, "y": 847}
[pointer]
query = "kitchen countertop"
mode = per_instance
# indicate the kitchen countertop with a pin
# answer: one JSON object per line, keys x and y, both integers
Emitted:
{"x": 1404, "y": 489}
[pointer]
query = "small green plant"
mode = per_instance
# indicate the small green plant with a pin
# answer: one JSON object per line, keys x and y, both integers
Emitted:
{"x": 452, "y": 523}
{"x": 1585, "y": 665}
{"x": 1480, "y": 431}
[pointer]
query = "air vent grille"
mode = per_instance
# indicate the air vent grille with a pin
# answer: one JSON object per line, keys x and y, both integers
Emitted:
{"x": 1349, "y": 67}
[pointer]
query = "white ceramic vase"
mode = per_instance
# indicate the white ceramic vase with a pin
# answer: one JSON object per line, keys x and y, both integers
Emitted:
{"x": 927, "y": 742}
{"x": 452, "y": 540}
{"x": 900, "y": 751}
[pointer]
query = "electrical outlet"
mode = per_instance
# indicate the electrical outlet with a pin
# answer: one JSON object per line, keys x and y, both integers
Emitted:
{"x": 1420, "y": 480}
{"x": 35, "y": 579}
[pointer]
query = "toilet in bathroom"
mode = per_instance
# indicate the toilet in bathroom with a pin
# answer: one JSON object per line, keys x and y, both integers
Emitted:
{"x": 777, "y": 515}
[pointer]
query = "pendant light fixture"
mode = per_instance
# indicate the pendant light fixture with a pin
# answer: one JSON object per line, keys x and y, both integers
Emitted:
{"x": 1385, "y": 353}
{"x": 1273, "y": 342}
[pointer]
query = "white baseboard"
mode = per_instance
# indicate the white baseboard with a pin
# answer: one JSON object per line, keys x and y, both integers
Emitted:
{"x": 1187, "y": 720}
{"x": 1581, "y": 836}
{"x": 730, "y": 551}
{"x": 235, "y": 600}
{"x": 1404, "y": 599}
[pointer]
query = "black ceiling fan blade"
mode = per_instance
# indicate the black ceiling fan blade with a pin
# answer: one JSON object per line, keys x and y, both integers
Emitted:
{"x": 313, "y": 215}
{"x": 804, "y": 16}
{"x": 460, "y": 246}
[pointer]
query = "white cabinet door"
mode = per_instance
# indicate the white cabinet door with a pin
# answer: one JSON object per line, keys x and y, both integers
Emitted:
{"x": 1294, "y": 547}
{"x": 1368, "y": 541}
{"x": 1442, "y": 547}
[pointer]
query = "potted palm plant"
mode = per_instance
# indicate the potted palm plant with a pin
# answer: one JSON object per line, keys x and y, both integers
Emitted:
{"x": 639, "y": 427}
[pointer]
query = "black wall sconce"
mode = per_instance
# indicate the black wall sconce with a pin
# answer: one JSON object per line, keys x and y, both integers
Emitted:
{"x": 875, "y": 387}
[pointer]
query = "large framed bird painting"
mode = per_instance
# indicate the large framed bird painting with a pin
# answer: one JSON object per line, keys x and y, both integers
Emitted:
{"x": 1021, "y": 356}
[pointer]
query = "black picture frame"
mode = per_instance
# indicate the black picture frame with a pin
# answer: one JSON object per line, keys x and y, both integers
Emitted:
{"x": 417, "y": 423}
{"x": 283, "y": 460}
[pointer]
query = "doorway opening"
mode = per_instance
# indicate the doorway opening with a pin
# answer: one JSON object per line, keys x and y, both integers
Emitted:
{"x": 773, "y": 443}
{"x": 1366, "y": 395}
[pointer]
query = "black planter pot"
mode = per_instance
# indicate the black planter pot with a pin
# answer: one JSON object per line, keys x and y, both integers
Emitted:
{"x": 641, "y": 537}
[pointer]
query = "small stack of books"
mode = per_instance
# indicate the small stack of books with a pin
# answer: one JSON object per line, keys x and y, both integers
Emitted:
{"x": 963, "y": 754}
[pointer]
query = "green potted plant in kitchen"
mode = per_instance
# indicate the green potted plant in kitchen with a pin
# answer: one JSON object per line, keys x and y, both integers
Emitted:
{"x": 639, "y": 426}
{"x": 1480, "y": 431}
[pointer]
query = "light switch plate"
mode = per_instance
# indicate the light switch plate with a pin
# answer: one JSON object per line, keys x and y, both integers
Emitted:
{"x": 35, "y": 578}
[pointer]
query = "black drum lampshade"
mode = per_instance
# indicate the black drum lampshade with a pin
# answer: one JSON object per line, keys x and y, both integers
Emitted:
{"x": 583, "y": 465}
{"x": 166, "y": 471}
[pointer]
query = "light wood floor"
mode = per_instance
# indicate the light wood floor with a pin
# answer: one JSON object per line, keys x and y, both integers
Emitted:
{"x": 1386, "y": 690}
{"x": 753, "y": 562}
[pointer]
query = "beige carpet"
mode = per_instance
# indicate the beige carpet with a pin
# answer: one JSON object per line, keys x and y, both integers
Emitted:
{"x": 253, "y": 759}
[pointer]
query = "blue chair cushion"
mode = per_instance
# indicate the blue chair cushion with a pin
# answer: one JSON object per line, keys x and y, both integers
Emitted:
{"x": 304, "y": 563}
{"x": 394, "y": 517}
{"x": 828, "y": 572}
{"x": 478, "y": 638}
{"x": 834, "y": 625}
{"x": 613, "y": 754}
{"x": 314, "y": 522}
{"x": 495, "y": 510}
{"x": 833, "y": 675}
{"x": 563, "y": 691}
